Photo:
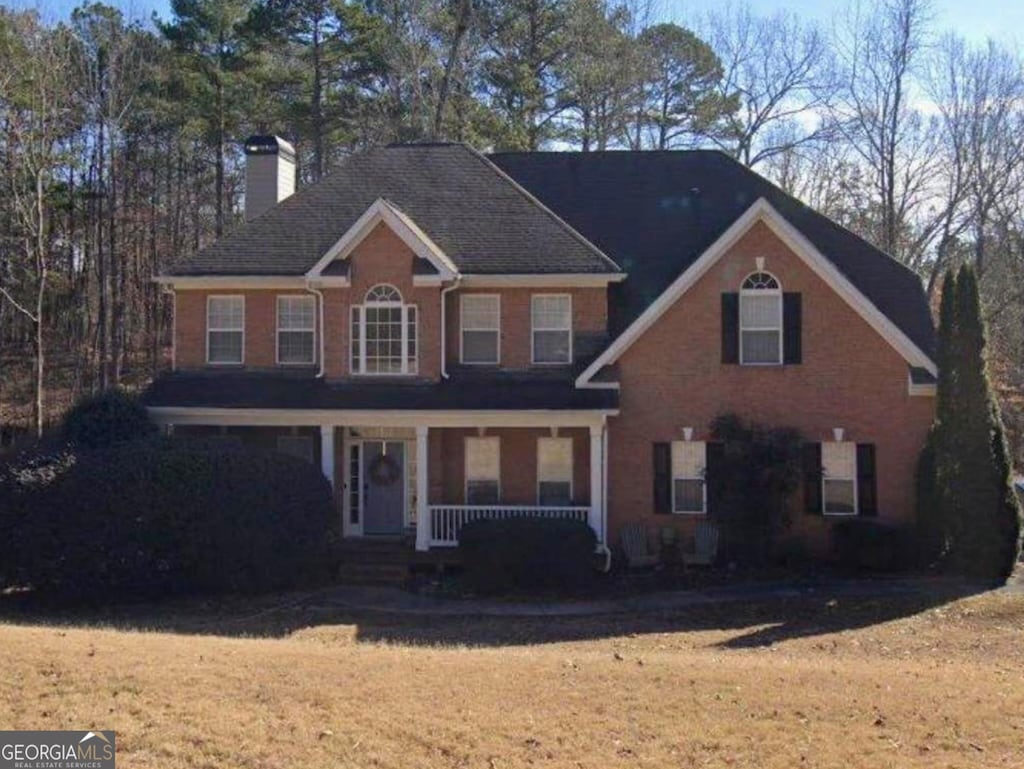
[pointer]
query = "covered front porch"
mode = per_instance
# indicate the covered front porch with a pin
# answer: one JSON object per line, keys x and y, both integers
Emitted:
{"x": 422, "y": 476}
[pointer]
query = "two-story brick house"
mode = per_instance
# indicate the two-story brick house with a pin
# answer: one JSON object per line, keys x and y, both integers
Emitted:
{"x": 451, "y": 336}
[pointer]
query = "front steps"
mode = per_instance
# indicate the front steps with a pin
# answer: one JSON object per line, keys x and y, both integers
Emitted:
{"x": 375, "y": 561}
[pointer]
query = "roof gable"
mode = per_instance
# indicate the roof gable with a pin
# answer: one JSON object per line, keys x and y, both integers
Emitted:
{"x": 655, "y": 213}
{"x": 482, "y": 221}
{"x": 760, "y": 211}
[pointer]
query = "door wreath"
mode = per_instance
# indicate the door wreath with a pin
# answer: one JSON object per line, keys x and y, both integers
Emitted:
{"x": 384, "y": 470}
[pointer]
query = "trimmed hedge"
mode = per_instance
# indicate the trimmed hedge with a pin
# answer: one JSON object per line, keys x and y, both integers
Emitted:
{"x": 163, "y": 517}
{"x": 106, "y": 420}
{"x": 869, "y": 546}
{"x": 527, "y": 555}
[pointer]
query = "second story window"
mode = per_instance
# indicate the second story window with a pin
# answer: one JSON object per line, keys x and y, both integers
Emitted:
{"x": 225, "y": 329}
{"x": 760, "y": 320}
{"x": 480, "y": 321}
{"x": 551, "y": 322}
{"x": 296, "y": 320}
{"x": 384, "y": 333}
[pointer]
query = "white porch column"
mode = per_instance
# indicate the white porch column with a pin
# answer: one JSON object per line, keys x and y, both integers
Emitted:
{"x": 595, "y": 516}
{"x": 422, "y": 488}
{"x": 327, "y": 453}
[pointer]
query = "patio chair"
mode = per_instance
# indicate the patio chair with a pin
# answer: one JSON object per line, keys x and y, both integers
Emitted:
{"x": 705, "y": 546}
{"x": 638, "y": 551}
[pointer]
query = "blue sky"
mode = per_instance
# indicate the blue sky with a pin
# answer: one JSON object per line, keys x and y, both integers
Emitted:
{"x": 975, "y": 19}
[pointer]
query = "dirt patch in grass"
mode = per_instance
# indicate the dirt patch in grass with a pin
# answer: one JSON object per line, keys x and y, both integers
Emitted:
{"x": 808, "y": 682}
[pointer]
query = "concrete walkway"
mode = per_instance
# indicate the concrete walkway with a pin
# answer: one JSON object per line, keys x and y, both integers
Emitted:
{"x": 394, "y": 600}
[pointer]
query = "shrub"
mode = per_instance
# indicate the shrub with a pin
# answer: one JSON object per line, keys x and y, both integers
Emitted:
{"x": 107, "y": 419}
{"x": 162, "y": 516}
{"x": 527, "y": 554}
{"x": 869, "y": 546}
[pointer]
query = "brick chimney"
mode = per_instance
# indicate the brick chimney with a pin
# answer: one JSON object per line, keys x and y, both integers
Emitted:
{"x": 269, "y": 173}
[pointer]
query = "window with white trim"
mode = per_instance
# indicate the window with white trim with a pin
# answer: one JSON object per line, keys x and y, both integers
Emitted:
{"x": 384, "y": 333}
{"x": 300, "y": 446}
{"x": 483, "y": 470}
{"x": 554, "y": 472}
{"x": 225, "y": 329}
{"x": 551, "y": 327}
{"x": 839, "y": 478}
{"x": 689, "y": 491}
{"x": 760, "y": 320}
{"x": 480, "y": 322}
{"x": 296, "y": 323}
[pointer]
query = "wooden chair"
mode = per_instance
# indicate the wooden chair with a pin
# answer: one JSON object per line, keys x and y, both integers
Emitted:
{"x": 636, "y": 547}
{"x": 705, "y": 546}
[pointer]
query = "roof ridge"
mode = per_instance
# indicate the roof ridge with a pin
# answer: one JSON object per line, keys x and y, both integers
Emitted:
{"x": 531, "y": 198}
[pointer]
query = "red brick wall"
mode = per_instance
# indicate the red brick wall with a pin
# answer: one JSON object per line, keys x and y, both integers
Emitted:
{"x": 589, "y": 317}
{"x": 518, "y": 464}
{"x": 260, "y": 327}
{"x": 850, "y": 377}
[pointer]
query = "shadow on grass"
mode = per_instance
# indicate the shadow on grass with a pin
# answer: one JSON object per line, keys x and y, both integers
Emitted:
{"x": 756, "y": 619}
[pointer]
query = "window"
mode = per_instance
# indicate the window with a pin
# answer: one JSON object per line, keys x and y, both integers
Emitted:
{"x": 481, "y": 328}
{"x": 225, "y": 329}
{"x": 300, "y": 446}
{"x": 551, "y": 320}
{"x": 384, "y": 334}
{"x": 296, "y": 319}
{"x": 839, "y": 478}
{"x": 483, "y": 471}
{"x": 554, "y": 471}
{"x": 689, "y": 460}
{"x": 760, "y": 320}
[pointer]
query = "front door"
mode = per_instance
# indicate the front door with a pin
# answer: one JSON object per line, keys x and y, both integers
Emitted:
{"x": 383, "y": 487}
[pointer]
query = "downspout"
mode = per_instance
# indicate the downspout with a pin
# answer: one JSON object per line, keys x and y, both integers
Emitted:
{"x": 320, "y": 300}
{"x": 444, "y": 327}
{"x": 168, "y": 289}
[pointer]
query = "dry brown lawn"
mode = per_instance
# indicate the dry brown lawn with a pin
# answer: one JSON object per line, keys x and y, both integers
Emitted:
{"x": 801, "y": 683}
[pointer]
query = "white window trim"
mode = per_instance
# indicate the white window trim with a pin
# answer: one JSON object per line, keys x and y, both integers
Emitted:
{"x": 463, "y": 329}
{"x": 277, "y": 333}
{"x": 533, "y": 330}
{"x": 701, "y": 477}
{"x": 572, "y": 467}
{"x": 465, "y": 465}
{"x": 762, "y": 292}
{"x": 209, "y": 299}
{"x": 360, "y": 370}
{"x": 856, "y": 490}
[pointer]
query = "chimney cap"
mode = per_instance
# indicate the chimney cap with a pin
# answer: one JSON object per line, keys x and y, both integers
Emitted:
{"x": 269, "y": 145}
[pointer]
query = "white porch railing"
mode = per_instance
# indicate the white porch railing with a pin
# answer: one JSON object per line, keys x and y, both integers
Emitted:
{"x": 446, "y": 521}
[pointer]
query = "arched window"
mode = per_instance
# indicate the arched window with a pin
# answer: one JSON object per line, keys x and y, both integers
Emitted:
{"x": 761, "y": 319}
{"x": 384, "y": 333}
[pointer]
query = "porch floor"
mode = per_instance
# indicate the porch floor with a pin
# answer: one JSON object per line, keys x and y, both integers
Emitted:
{"x": 388, "y": 559}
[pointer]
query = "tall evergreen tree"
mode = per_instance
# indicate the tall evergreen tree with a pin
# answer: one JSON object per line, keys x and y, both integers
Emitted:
{"x": 988, "y": 514}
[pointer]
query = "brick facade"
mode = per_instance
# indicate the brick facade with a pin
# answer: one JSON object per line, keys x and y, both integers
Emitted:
{"x": 673, "y": 377}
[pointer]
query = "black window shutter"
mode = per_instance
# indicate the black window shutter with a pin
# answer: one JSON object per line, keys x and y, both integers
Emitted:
{"x": 730, "y": 328}
{"x": 812, "y": 477}
{"x": 792, "y": 331}
{"x": 713, "y": 480}
{"x": 867, "y": 486}
{"x": 663, "y": 478}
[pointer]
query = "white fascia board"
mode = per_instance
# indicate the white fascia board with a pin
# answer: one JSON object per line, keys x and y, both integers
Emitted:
{"x": 199, "y": 282}
{"x": 381, "y": 211}
{"x": 183, "y": 415}
{"x": 554, "y": 280}
{"x": 761, "y": 210}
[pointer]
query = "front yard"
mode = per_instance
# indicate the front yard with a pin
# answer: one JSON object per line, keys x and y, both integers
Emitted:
{"x": 288, "y": 682}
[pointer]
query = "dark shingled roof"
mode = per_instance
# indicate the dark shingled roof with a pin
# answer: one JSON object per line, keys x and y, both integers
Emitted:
{"x": 478, "y": 216}
{"x": 279, "y": 391}
{"x": 654, "y": 213}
